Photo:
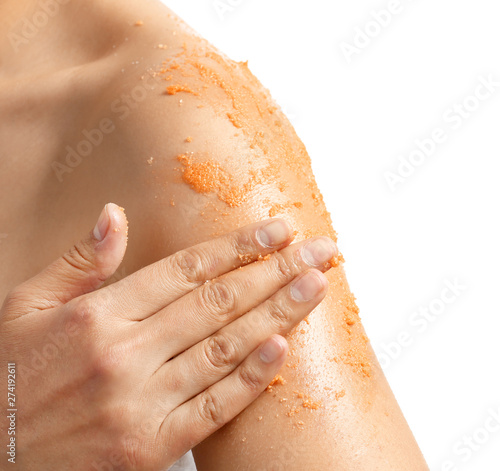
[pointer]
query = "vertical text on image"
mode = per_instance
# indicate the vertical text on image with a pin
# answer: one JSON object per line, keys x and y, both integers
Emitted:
{"x": 11, "y": 412}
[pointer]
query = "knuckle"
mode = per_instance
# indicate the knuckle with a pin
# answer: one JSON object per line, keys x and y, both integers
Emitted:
{"x": 251, "y": 379}
{"x": 211, "y": 409}
{"x": 220, "y": 352}
{"x": 188, "y": 264}
{"x": 80, "y": 257}
{"x": 218, "y": 296}
{"x": 284, "y": 267}
{"x": 279, "y": 311}
{"x": 243, "y": 241}
{"x": 83, "y": 312}
{"x": 135, "y": 454}
{"x": 125, "y": 450}
{"x": 106, "y": 363}
{"x": 15, "y": 297}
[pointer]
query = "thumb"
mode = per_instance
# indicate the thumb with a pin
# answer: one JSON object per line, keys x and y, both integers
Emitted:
{"x": 85, "y": 267}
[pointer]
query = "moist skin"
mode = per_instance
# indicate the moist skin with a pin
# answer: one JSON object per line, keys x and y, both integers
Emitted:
{"x": 202, "y": 114}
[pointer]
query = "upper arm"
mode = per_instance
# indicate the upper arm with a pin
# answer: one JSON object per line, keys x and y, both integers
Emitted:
{"x": 215, "y": 153}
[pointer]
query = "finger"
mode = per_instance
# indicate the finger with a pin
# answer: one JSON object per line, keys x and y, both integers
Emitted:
{"x": 214, "y": 305}
{"x": 161, "y": 283}
{"x": 214, "y": 358}
{"x": 198, "y": 418}
{"x": 83, "y": 268}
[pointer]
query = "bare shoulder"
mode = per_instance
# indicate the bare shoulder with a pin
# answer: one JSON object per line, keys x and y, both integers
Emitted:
{"x": 206, "y": 142}
{"x": 199, "y": 148}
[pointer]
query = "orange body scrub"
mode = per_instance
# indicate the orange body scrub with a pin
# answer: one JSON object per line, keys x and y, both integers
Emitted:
{"x": 245, "y": 259}
{"x": 174, "y": 89}
{"x": 208, "y": 177}
{"x": 307, "y": 402}
{"x": 230, "y": 89}
{"x": 278, "y": 379}
{"x": 277, "y": 164}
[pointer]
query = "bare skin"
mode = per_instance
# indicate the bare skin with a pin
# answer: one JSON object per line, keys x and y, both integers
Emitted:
{"x": 91, "y": 74}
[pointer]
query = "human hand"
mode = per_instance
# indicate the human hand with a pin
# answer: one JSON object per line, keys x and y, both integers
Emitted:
{"x": 133, "y": 375}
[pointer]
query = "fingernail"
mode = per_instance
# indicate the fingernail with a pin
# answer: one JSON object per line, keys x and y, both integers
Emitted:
{"x": 101, "y": 228}
{"x": 273, "y": 233}
{"x": 306, "y": 287}
{"x": 271, "y": 350}
{"x": 318, "y": 251}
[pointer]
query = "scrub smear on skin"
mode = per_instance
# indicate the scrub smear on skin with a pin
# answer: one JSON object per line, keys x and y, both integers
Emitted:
{"x": 277, "y": 174}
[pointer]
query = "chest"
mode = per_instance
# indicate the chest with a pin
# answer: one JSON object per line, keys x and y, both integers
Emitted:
{"x": 39, "y": 214}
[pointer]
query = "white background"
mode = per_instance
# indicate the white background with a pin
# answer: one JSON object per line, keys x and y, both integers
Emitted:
{"x": 439, "y": 225}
